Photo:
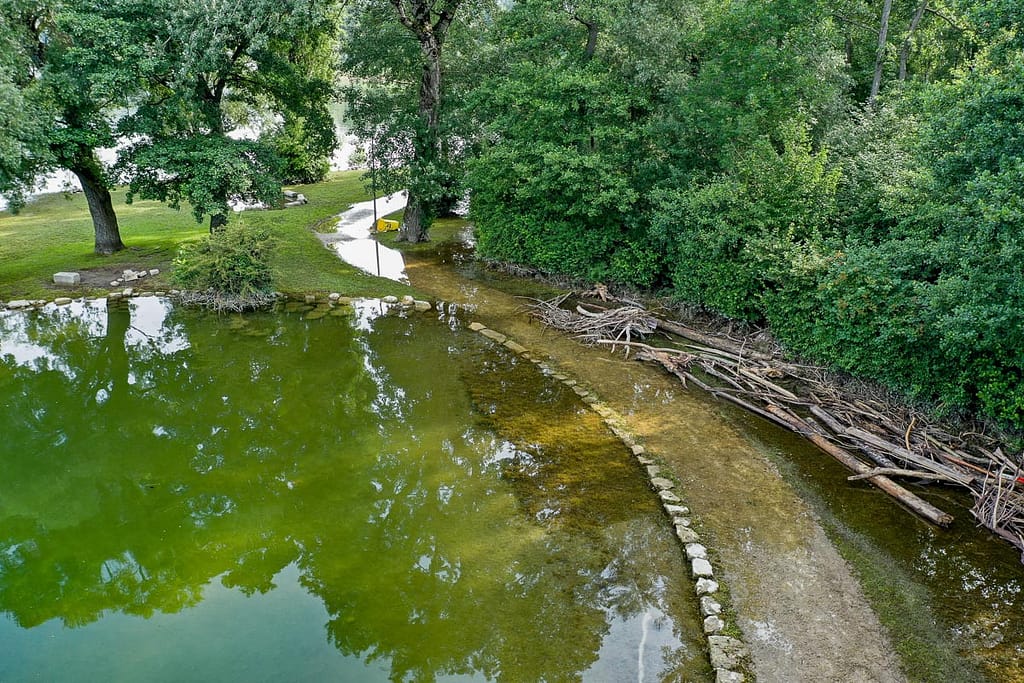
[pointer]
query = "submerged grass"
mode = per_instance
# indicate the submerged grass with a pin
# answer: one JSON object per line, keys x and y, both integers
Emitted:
{"x": 55, "y": 233}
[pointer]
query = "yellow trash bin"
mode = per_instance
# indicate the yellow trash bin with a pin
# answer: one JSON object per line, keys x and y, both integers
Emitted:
{"x": 384, "y": 225}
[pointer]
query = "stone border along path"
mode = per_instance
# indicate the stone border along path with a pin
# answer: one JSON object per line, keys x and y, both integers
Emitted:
{"x": 729, "y": 656}
{"x": 331, "y": 299}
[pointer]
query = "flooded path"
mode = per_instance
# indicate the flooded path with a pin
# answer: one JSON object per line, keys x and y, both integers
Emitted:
{"x": 353, "y": 242}
{"x": 801, "y": 606}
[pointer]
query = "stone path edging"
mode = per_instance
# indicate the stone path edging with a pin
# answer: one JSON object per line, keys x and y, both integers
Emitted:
{"x": 730, "y": 658}
{"x": 332, "y": 299}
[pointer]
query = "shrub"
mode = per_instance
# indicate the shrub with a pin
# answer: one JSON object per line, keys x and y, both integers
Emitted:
{"x": 232, "y": 261}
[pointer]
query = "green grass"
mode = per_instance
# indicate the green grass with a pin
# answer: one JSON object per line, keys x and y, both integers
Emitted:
{"x": 442, "y": 230}
{"x": 55, "y": 233}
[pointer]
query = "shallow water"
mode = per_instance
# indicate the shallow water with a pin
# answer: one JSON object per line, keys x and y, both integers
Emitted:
{"x": 353, "y": 243}
{"x": 774, "y": 506}
{"x": 314, "y": 496}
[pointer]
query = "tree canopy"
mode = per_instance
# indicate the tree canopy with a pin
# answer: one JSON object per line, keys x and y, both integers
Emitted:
{"x": 215, "y": 67}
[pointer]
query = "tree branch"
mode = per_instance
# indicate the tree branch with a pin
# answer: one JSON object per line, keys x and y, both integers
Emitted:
{"x": 592, "y": 27}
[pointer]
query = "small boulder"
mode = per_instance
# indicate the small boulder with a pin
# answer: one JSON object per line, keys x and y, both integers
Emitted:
{"x": 669, "y": 497}
{"x": 706, "y": 586}
{"x": 18, "y": 303}
{"x": 686, "y": 534}
{"x": 713, "y": 624}
{"x": 62, "y": 300}
{"x": 701, "y": 568}
{"x": 661, "y": 483}
{"x": 709, "y": 607}
{"x": 421, "y": 306}
{"x": 726, "y": 652}
{"x": 67, "y": 279}
{"x": 496, "y": 336}
{"x": 154, "y": 271}
{"x": 514, "y": 347}
{"x": 695, "y": 551}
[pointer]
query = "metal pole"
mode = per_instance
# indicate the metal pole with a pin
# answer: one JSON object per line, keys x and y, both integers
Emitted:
{"x": 373, "y": 186}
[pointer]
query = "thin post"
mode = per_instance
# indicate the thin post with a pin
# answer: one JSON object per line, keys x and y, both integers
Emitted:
{"x": 373, "y": 188}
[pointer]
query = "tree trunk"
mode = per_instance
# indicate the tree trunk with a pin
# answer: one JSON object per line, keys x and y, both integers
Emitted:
{"x": 101, "y": 208}
{"x": 217, "y": 222}
{"x": 883, "y": 32}
{"x": 418, "y": 213}
{"x": 905, "y": 51}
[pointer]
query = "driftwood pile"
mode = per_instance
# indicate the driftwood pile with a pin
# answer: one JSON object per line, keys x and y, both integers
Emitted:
{"x": 878, "y": 440}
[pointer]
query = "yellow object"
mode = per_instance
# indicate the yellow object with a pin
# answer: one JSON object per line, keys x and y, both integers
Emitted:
{"x": 386, "y": 225}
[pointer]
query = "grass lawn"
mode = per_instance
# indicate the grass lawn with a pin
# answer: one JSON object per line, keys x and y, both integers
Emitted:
{"x": 54, "y": 233}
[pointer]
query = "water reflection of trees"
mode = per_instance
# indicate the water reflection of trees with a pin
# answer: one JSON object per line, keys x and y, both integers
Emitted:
{"x": 234, "y": 448}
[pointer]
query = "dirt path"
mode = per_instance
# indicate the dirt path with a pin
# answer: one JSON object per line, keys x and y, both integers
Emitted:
{"x": 802, "y": 612}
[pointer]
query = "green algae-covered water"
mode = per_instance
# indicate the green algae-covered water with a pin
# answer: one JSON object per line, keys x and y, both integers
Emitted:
{"x": 313, "y": 496}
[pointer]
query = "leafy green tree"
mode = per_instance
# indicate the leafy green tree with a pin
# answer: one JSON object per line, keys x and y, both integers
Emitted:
{"x": 67, "y": 69}
{"x": 410, "y": 62}
{"x": 216, "y": 66}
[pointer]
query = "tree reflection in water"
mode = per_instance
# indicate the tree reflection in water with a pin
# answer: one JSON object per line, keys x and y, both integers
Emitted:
{"x": 455, "y": 512}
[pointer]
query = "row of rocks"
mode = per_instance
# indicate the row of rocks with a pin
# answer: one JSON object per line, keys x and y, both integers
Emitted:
{"x": 293, "y": 198}
{"x": 127, "y": 292}
{"x": 130, "y": 275}
{"x": 729, "y": 656}
{"x": 405, "y": 302}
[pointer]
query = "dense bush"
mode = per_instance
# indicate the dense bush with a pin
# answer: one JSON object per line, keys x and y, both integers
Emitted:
{"x": 231, "y": 261}
{"x": 732, "y": 238}
{"x": 735, "y": 169}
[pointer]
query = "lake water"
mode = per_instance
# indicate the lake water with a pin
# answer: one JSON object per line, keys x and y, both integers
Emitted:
{"x": 327, "y": 494}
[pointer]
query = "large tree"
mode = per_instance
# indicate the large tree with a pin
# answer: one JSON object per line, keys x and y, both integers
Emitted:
{"x": 404, "y": 97}
{"x": 428, "y": 21}
{"x": 218, "y": 68}
{"x": 68, "y": 69}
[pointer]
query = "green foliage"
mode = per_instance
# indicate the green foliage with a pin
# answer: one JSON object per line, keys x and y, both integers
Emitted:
{"x": 303, "y": 159}
{"x": 207, "y": 172}
{"x": 64, "y": 67}
{"x": 406, "y": 146}
{"x": 213, "y": 69}
{"x": 233, "y": 261}
{"x": 733, "y": 236}
{"x": 701, "y": 167}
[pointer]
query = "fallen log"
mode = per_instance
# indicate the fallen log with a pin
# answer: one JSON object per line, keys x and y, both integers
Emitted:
{"x": 905, "y": 455}
{"x": 911, "y": 501}
{"x": 708, "y": 340}
{"x": 896, "y": 472}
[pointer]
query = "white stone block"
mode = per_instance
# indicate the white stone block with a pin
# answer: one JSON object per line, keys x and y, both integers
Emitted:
{"x": 67, "y": 279}
{"x": 701, "y": 567}
{"x": 713, "y": 624}
{"x": 709, "y": 607}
